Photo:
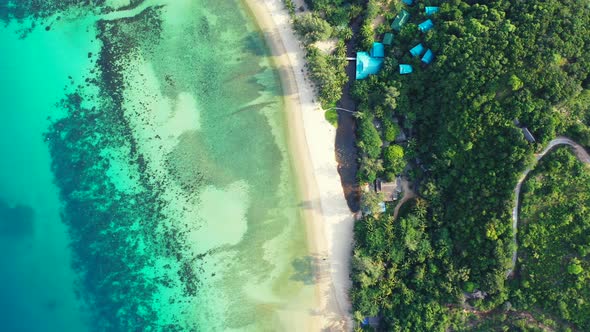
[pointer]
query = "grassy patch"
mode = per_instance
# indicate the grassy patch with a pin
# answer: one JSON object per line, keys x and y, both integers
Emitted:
{"x": 332, "y": 117}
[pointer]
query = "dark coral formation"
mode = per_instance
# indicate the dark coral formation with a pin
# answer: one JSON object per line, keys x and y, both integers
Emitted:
{"x": 118, "y": 234}
{"x": 43, "y": 13}
{"x": 115, "y": 234}
{"x": 39, "y": 9}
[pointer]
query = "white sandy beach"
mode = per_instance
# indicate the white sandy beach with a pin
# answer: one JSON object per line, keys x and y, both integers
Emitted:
{"x": 312, "y": 139}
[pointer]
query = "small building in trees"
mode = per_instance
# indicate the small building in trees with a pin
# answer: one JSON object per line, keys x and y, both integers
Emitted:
{"x": 408, "y": 2}
{"x": 428, "y": 57}
{"x": 528, "y": 135}
{"x": 426, "y": 25}
{"x": 405, "y": 69}
{"x": 400, "y": 19}
{"x": 401, "y": 137}
{"x": 369, "y": 63}
{"x": 417, "y": 50}
{"x": 390, "y": 190}
{"x": 366, "y": 65}
{"x": 365, "y": 321}
{"x": 429, "y": 10}
{"x": 378, "y": 50}
{"x": 388, "y": 39}
{"x": 371, "y": 321}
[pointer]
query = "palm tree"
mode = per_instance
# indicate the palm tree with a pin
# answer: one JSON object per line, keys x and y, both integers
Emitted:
{"x": 370, "y": 167}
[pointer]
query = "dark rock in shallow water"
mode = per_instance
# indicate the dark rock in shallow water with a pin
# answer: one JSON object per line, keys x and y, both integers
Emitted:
{"x": 16, "y": 221}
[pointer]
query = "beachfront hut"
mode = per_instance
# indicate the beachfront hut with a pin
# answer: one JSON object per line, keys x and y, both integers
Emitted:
{"x": 405, "y": 69}
{"x": 378, "y": 50}
{"x": 426, "y": 25}
{"x": 367, "y": 65}
{"x": 417, "y": 50}
{"x": 400, "y": 19}
{"x": 388, "y": 39}
{"x": 408, "y": 2}
{"x": 429, "y": 10}
{"x": 428, "y": 57}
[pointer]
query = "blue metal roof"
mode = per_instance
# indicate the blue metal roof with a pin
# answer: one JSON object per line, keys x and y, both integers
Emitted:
{"x": 367, "y": 65}
{"x": 378, "y": 50}
{"x": 408, "y": 2}
{"x": 417, "y": 50}
{"x": 429, "y": 10}
{"x": 428, "y": 57}
{"x": 405, "y": 69}
{"x": 426, "y": 25}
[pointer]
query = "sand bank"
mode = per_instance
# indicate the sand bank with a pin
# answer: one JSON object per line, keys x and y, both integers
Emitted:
{"x": 312, "y": 138}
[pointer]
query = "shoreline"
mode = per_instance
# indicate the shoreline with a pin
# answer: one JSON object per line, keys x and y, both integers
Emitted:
{"x": 328, "y": 220}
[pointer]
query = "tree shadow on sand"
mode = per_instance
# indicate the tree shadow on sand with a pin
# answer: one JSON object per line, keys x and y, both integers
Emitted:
{"x": 306, "y": 269}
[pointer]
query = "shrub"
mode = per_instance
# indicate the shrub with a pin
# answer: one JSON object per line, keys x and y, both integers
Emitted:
{"x": 369, "y": 141}
{"x": 393, "y": 157}
{"x": 312, "y": 27}
{"x": 391, "y": 130}
{"x": 332, "y": 117}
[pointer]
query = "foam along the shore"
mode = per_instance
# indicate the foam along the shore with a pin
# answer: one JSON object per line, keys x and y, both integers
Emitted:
{"x": 312, "y": 138}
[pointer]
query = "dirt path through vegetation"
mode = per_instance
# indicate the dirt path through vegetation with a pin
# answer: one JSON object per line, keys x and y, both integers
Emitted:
{"x": 581, "y": 154}
{"x": 408, "y": 195}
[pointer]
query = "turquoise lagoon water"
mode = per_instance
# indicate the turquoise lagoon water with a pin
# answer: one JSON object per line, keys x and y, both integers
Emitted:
{"x": 145, "y": 182}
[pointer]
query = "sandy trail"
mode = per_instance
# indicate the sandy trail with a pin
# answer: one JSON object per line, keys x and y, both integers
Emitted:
{"x": 408, "y": 195}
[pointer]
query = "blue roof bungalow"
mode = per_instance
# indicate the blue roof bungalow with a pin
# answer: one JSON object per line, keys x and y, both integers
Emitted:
{"x": 408, "y": 2}
{"x": 429, "y": 10}
{"x": 405, "y": 69}
{"x": 369, "y": 63}
{"x": 378, "y": 50}
{"x": 366, "y": 65}
{"x": 417, "y": 50}
{"x": 428, "y": 57}
{"x": 426, "y": 25}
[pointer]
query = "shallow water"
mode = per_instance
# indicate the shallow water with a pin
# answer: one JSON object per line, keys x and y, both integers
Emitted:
{"x": 146, "y": 183}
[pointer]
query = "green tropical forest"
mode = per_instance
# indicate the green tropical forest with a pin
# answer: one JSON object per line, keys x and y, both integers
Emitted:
{"x": 500, "y": 66}
{"x": 554, "y": 236}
